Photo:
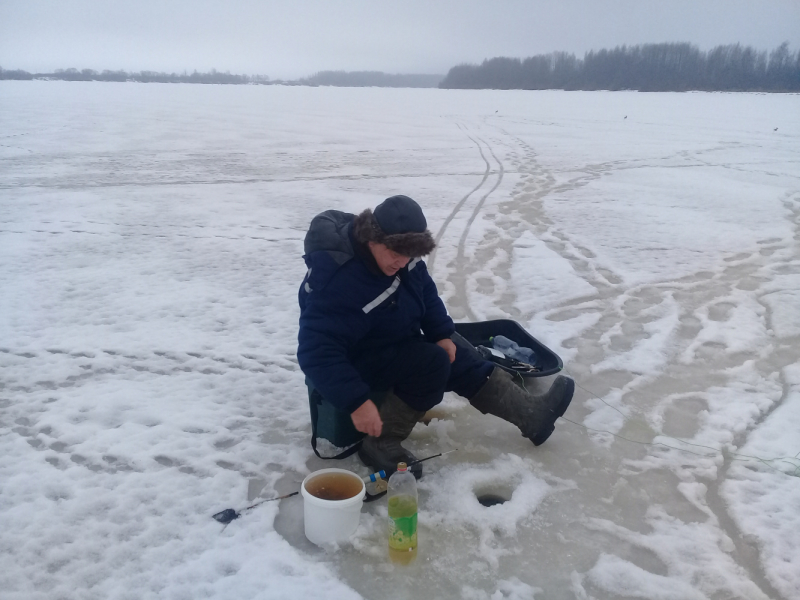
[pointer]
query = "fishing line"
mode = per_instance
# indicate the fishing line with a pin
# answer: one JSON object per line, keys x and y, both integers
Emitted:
{"x": 734, "y": 455}
{"x": 624, "y": 416}
{"x": 716, "y": 452}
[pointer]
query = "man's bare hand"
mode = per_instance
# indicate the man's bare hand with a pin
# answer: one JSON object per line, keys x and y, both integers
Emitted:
{"x": 367, "y": 419}
{"x": 449, "y": 347}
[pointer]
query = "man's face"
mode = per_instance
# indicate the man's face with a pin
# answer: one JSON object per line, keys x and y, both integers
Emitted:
{"x": 389, "y": 261}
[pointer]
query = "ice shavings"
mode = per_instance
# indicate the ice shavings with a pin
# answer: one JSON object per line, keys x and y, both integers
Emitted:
{"x": 454, "y": 500}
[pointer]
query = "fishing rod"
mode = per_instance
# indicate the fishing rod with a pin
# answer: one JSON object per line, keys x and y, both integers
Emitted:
{"x": 416, "y": 462}
{"x": 229, "y": 514}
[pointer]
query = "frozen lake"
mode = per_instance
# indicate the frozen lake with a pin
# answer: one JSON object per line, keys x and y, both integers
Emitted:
{"x": 150, "y": 256}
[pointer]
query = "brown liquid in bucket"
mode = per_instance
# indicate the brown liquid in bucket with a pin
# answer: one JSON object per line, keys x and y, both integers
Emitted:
{"x": 334, "y": 486}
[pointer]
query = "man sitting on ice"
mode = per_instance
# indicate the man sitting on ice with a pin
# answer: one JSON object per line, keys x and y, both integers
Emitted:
{"x": 371, "y": 318}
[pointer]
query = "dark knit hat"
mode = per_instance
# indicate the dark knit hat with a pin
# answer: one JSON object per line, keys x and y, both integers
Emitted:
{"x": 400, "y": 214}
{"x": 399, "y": 224}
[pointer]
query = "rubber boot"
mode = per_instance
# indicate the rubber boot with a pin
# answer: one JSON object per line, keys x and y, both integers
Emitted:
{"x": 384, "y": 452}
{"x": 534, "y": 415}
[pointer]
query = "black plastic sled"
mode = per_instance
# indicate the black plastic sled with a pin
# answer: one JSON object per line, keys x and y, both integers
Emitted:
{"x": 479, "y": 334}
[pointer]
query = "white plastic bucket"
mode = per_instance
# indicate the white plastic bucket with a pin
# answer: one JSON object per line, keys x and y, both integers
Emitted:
{"x": 331, "y": 521}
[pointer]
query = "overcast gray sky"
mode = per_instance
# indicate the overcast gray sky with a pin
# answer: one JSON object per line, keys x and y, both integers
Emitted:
{"x": 295, "y": 39}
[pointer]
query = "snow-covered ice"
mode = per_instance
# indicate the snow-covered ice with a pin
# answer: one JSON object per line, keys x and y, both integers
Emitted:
{"x": 150, "y": 255}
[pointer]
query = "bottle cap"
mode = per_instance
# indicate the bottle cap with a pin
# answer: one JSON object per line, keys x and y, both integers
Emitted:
{"x": 402, "y": 466}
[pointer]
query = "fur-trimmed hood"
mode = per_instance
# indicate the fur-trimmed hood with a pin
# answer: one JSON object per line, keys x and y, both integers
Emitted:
{"x": 412, "y": 244}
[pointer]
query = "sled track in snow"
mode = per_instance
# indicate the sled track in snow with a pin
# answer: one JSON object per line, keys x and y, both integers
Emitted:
{"x": 462, "y": 241}
{"x": 461, "y": 268}
{"x": 461, "y": 202}
{"x": 462, "y": 264}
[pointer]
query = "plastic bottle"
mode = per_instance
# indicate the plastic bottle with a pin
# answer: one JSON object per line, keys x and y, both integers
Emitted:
{"x": 402, "y": 515}
{"x": 513, "y": 350}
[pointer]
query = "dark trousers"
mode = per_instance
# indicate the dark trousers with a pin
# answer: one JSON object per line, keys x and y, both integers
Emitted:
{"x": 421, "y": 372}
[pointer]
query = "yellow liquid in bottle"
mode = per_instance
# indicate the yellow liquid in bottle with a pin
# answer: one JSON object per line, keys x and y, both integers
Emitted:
{"x": 402, "y": 529}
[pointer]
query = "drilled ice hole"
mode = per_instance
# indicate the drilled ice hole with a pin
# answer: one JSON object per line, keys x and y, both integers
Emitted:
{"x": 494, "y": 493}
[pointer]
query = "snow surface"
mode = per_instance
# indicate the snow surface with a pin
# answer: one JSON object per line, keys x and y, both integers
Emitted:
{"x": 150, "y": 255}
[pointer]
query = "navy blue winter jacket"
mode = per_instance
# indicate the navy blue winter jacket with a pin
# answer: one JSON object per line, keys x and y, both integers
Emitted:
{"x": 348, "y": 307}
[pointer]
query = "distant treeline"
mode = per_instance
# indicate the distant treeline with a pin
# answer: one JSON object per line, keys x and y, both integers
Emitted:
{"x": 649, "y": 67}
{"x": 144, "y": 76}
{"x": 371, "y": 78}
{"x": 332, "y": 78}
